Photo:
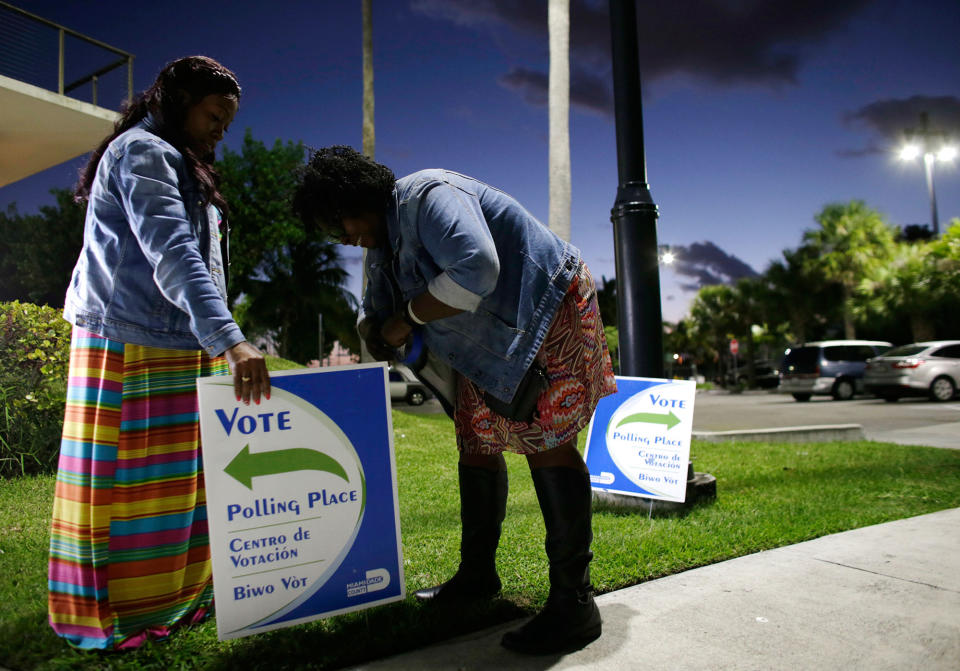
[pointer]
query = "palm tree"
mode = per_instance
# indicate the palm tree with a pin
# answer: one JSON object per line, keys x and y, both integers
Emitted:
{"x": 799, "y": 296}
{"x": 558, "y": 23}
{"x": 272, "y": 255}
{"x": 685, "y": 340}
{"x": 714, "y": 313}
{"x": 369, "y": 136}
{"x": 851, "y": 242}
{"x": 369, "y": 131}
{"x": 920, "y": 283}
{"x": 748, "y": 296}
{"x": 311, "y": 271}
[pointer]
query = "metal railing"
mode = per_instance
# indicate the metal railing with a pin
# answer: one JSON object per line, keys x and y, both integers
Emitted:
{"x": 23, "y": 55}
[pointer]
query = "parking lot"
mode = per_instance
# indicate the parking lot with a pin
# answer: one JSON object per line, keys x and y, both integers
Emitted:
{"x": 909, "y": 421}
{"x": 912, "y": 421}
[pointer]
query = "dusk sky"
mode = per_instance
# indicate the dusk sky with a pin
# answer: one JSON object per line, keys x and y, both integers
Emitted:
{"x": 757, "y": 113}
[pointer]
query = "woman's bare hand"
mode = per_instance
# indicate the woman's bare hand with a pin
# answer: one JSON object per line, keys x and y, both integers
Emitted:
{"x": 395, "y": 331}
{"x": 250, "y": 377}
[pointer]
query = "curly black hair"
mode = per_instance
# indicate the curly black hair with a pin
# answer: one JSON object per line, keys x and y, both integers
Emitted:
{"x": 339, "y": 181}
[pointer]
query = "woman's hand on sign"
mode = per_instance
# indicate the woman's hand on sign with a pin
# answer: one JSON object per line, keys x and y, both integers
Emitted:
{"x": 250, "y": 377}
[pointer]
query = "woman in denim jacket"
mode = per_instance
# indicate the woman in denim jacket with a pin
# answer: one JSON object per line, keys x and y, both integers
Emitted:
{"x": 129, "y": 553}
{"x": 494, "y": 295}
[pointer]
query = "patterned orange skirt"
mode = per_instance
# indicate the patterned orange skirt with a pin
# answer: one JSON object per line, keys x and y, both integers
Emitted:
{"x": 579, "y": 371}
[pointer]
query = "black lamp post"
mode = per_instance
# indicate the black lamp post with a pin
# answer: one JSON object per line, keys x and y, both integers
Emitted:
{"x": 634, "y": 214}
{"x": 634, "y": 217}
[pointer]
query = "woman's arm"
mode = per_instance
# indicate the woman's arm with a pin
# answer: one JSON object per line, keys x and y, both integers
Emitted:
{"x": 149, "y": 188}
{"x": 454, "y": 232}
{"x": 425, "y": 308}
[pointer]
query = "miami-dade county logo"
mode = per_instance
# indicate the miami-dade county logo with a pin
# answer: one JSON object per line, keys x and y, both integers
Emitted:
{"x": 640, "y": 442}
{"x": 293, "y": 508}
{"x": 375, "y": 580}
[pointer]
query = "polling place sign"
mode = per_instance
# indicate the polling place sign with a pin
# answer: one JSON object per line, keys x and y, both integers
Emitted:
{"x": 638, "y": 443}
{"x": 301, "y": 498}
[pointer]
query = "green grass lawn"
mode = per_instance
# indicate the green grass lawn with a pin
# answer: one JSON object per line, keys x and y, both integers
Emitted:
{"x": 768, "y": 495}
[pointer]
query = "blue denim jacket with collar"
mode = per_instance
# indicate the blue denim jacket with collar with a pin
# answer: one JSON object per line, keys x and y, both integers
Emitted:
{"x": 150, "y": 271}
{"x": 476, "y": 248}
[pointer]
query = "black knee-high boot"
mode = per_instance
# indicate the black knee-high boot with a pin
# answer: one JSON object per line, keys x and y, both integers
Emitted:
{"x": 570, "y": 619}
{"x": 483, "y": 506}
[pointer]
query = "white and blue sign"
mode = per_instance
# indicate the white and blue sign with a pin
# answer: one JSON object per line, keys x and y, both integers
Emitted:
{"x": 301, "y": 498}
{"x": 639, "y": 438}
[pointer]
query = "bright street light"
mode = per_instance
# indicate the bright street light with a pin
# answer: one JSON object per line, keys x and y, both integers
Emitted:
{"x": 909, "y": 152}
{"x": 947, "y": 154}
{"x": 933, "y": 145}
{"x": 664, "y": 256}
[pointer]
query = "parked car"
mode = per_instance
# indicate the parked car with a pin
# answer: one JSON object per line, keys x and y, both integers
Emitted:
{"x": 921, "y": 369}
{"x": 404, "y": 386}
{"x": 766, "y": 374}
{"x": 832, "y": 367}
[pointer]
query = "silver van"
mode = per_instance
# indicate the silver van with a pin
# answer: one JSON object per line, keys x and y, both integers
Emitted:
{"x": 833, "y": 367}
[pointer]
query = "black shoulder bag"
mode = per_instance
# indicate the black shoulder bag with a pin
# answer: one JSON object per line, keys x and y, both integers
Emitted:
{"x": 523, "y": 407}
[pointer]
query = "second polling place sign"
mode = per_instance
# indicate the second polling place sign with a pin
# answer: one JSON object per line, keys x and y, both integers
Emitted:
{"x": 639, "y": 438}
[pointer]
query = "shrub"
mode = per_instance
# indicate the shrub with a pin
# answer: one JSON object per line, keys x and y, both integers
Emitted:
{"x": 34, "y": 358}
{"x": 34, "y": 362}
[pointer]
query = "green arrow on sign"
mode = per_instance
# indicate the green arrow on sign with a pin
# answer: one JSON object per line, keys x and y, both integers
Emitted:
{"x": 245, "y": 466}
{"x": 669, "y": 419}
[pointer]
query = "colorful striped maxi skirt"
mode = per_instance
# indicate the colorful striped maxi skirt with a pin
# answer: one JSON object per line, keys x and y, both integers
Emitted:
{"x": 129, "y": 550}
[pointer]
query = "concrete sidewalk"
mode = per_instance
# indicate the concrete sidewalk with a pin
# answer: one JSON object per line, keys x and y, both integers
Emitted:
{"x": 881, "y": 597}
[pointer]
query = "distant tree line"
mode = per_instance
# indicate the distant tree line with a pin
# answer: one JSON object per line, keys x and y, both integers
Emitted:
{"x": 280, "y": 281}
{"x": 853, "y": 276}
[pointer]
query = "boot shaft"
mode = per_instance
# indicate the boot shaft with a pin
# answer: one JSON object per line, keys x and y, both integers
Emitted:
{"x": 483, "y": 507}
{"x": 566, "y": 499}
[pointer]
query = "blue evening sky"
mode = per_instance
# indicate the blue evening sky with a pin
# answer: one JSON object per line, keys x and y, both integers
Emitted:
{"x": 756, "y": 112}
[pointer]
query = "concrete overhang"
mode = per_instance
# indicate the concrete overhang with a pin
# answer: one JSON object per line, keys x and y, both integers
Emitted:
{"x": 40, "y": 129}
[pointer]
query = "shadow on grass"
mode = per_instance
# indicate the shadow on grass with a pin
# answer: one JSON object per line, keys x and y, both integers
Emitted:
{"x": 27, "y": 641}
{"x": 641, "y": 507}
{"x": 363, "y": 636}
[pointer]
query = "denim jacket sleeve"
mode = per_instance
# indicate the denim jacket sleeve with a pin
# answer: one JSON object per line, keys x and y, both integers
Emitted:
{"x": 148, "y": 181}
{"x": 452, "y": 228}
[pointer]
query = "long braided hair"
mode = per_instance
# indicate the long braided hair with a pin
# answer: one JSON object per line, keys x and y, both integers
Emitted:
{"x": 180, "y": 85}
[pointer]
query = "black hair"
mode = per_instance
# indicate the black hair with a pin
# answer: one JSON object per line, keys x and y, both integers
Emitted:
{"x": 339, "y": 181}
{"x": 180, "y": 85}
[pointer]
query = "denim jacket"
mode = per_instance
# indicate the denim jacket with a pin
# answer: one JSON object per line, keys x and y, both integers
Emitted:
{"x": 150, "y": 271}
{"x": 477, "y": 249}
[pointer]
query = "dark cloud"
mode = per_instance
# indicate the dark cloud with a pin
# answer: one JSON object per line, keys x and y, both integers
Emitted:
{"x": 587, "y": 92}
{"x": 708, "y": 265}
{"x": 530, "y": 85}
{"x": 893, "y": 119}
{"x": 522, "y": 15}
{"x": 720, "y": 41}
{"x": 872, "y": 149}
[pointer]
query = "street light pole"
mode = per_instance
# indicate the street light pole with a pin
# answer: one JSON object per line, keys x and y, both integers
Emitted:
{"x": 921, "y": 141}
{"x": 634, "y": 214}
{"x": 320, "y": 339}
{"x": 928, "y": 162}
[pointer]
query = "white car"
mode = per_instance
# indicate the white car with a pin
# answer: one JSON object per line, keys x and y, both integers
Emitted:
{"x": 404, "y": 386}
{"x": 921, "y": 369}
